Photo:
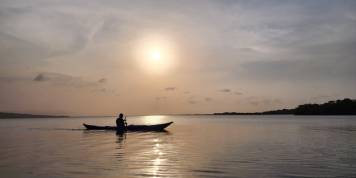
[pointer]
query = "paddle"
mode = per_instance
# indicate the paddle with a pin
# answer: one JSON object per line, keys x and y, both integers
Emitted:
{"x": 125, "y": 122}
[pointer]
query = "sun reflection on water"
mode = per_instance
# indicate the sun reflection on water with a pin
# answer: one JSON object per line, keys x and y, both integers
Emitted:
{"x": 157, "y": 162}
{"x": 154, "y": 119}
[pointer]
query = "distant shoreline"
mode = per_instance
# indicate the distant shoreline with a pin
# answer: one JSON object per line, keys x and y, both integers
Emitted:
{"x": 339, "y": 107}
{"x": 334, "y": 108}
{"x": 8, "y": 115}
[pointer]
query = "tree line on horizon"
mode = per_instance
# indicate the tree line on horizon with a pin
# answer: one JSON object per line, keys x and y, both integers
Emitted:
{"x": 339, "y": 107}
{"x": 8, "y": 115}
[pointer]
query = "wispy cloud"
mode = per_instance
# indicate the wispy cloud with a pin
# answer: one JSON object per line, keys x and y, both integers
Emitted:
{"x": 238, "y": 93}
{"x": 159, "y": 98}
{"x": 170, "y": 88}
{"x": 192, "y": 101}
{"x": 41, "y": 78}
{"x": 225, "y": 90}
{"x": 273, "y": 49}
{"x": 65, "y": 80}
{"x": 103, "y": 80}
{"x": 208, "y": 99}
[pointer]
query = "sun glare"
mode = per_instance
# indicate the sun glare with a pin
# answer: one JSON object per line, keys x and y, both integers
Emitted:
{"x": 155, "y": 54}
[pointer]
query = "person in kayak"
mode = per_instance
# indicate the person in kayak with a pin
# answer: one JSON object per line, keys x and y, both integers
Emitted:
{"x": 121, "y": 123}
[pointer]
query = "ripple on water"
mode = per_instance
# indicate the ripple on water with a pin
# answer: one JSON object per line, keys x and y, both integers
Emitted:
{"x": 193, "y": 147}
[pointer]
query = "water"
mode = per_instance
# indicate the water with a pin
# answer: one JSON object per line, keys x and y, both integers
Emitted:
{"x": 194, "y": 146}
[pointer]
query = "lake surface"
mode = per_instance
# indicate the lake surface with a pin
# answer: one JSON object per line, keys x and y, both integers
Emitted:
{"x": 194, "y": 146}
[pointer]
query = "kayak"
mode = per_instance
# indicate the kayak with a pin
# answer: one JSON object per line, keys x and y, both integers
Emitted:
{"x": 134, "y": 128}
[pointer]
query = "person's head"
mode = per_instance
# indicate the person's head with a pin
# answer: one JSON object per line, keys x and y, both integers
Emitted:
{"x": 121, "y": 115}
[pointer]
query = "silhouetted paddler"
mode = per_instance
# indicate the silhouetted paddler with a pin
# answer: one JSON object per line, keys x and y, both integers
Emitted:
{"x": 121, "y": 123}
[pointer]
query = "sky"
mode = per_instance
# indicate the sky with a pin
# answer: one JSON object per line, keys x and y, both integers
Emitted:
{"x": 84, "y": 57}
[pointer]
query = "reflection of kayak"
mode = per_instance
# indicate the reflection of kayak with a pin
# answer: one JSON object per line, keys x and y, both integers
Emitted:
{"x": 139, "y": 128}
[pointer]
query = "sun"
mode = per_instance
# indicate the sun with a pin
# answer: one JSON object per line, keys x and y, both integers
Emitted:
{"x": 155, "y": 54}
{"x": 156, "y": 60}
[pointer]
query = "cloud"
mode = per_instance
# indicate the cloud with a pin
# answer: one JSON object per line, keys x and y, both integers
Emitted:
{"x": 105, "y": 90}
{"x": 170, "y": 88}
{"x": 225, "y": 90}
{"x": 238, "y": 93}
{"x": 192, "y": 101}
{"x": 40, "y": 78}
{"x": 274, "y": 48}
{"x": 15, "y": 50}
{"x": 159, "y": 98}
{"x": 42, "y": 28}
{"x": 64, "y": 80}
{"x": 208, "y": 99}
{"x": 102, "y": 80}
{"x": 300, "y": 70}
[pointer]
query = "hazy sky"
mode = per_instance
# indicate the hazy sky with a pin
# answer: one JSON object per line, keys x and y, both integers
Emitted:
{"x": 154, "y": 57}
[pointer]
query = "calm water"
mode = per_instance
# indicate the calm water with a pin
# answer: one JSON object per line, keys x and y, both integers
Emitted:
{"x": 194, "y": 146}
